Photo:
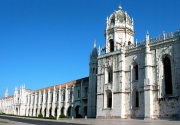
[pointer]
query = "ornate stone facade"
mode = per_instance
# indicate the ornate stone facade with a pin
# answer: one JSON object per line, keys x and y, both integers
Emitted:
{"x": 137, "y": 79}
{"x": 129, "y": 79}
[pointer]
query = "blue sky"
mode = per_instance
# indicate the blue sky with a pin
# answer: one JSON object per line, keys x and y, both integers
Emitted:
{"x": 48, "y": 42}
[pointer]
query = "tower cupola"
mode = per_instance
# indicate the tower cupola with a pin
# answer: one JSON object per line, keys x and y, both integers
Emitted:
{"x": 119, "y": 30}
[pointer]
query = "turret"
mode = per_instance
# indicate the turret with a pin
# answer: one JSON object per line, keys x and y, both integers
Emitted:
{"x": 6, "y": 93}
{"x": 92, "y": 83}
{"x": 119, "y": 30}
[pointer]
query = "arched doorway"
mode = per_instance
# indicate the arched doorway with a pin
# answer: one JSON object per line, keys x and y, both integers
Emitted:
{"x": 40, "y": 110}
{"x": 69, "y": 111}
{"x": 77, "y": 112}
{"x": 29, "y": 112}
{"x": 62, "y": 111}
{"x": 85, "y": 110}
{"x": 16, "y": 111}
{"x": 32, "y": 112}
{"x": 36, "y": 112}
{"x": 45, "y": 112}
{"x": 55, "y": 112}
{"x": 50, "y": 111}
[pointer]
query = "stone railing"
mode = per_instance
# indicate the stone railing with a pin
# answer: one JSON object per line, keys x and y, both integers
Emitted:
{"x": 137, "y": 44}
{"x": 165, "y": 37}
{"x": 156, "y": 39}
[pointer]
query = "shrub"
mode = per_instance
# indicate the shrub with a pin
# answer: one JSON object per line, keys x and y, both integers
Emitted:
{"x": 51, "y": 117}
{"x": 40, "y": 116}
{"x": 62, "y": 116}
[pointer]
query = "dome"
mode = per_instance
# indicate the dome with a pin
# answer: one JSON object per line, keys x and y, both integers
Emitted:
{"x": 120, "y": 16}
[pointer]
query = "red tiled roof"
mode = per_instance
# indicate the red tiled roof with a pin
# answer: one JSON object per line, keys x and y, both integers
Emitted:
{"x": 86, "y": 79}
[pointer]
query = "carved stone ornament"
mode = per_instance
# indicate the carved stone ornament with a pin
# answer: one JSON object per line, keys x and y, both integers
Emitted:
{"x": 134, "y": 58}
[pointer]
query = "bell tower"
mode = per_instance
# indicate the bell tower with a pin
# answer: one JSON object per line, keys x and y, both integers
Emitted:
{"x": 119, "y": 30}
{"x": 92, "y": 89}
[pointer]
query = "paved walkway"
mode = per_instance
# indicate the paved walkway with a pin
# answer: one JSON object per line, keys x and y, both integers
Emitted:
{"x": 30, "y": 121}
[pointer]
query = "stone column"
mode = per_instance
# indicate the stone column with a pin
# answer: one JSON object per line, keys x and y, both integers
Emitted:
{"x": 59, "y": 102}
{"x": 48, "y": 101}
{"x": 53, "y": 102}
{"x": 72, "y": 102}
{"x": 148, "y": 95}
{"x": 66, "y": 100}
{"x": 122, "y": 78}
{"x": 43, "y": 102}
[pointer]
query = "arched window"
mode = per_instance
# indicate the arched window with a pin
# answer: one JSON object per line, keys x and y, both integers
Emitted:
{"x": 112, "y": 21}
{"x": 167, "y": 76}
{"x": 111, "y": 42}
{"x": 109, "y": 98}
{"x": 129, "y": 42}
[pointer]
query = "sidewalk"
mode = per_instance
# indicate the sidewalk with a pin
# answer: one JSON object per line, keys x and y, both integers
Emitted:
{"x": 98, "y": 121}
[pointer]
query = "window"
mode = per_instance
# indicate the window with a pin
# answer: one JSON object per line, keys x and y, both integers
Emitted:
{"x": 57, "y": 96}
{"x": 136, "y": 71}
{"x": 63, "y": 95}
{"x": 46, "y": 97}
{"x": 37, "y": 99}
{"x": 167, "y": 76}
{"x": 78, "y": 93}
{"x": 129, "y": 42}
{"x": 51, "y": 96}
{"x": 110, "y": 76}
{"x": 135, "y": 98}
{"x": 109, "y": 98}
{"x": 86, "y": 92}
{"x": 111, "y": 42}
{"x": 112, "y": 21}
{"x": 42, "y": 98}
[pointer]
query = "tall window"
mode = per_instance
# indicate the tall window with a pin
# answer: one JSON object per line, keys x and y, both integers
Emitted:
{"x": 78, "y": 93}
{"x": 167, "y": 75}
{"x": 111, "y": 42}
{"x": 37, "y": 98}
{"x": 109, "y": 98}
{"x": 57, "y": 96}
{"x": 136, "y": 71}
{"x": 41, "y": 97}
{"x": 46, "y": 97}
{"x": 110, "y": 76}
{"x": 51, "y": 96}
{"x": 63, "y": 95}
{"x": 86, "y": 92}
{"x": 137, "y": 99}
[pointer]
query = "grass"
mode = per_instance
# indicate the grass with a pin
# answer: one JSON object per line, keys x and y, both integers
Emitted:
{"x": 3, "y": 121}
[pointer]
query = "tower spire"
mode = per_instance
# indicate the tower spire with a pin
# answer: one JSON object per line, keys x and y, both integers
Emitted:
{"x": 6, "y": 93}
{"x": 94, "y": 43}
